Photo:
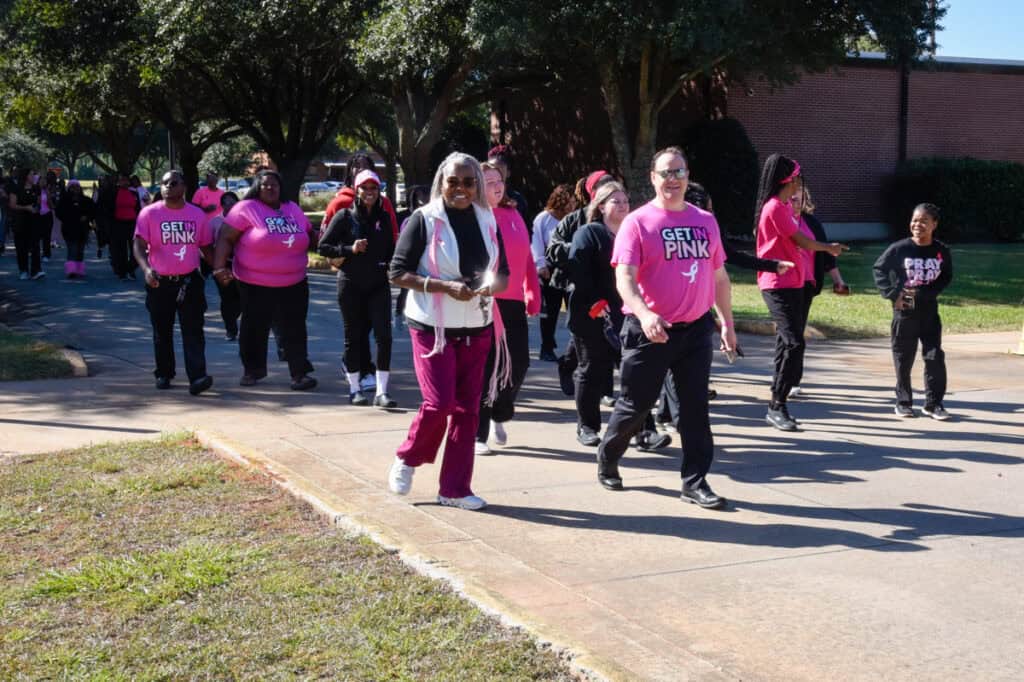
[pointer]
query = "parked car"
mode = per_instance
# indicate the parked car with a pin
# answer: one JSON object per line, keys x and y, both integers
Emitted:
{"x": 312, "y": 189}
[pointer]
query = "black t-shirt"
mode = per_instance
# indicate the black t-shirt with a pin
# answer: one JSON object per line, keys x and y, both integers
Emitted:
{"x": 929, "y": 269}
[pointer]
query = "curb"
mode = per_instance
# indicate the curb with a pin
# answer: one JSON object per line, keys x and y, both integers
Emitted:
{"x": 77, "y": 362}
{"x": 254, "y": 461}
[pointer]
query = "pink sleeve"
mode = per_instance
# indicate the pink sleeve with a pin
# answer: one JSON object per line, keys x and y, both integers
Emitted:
{"x": 205, "y": 231}
{"x": 627, "y": 249}
{"x": 239, "y": 218}
{"x": 531, "y": 286}
{"x": 142, "y": 225}
{"x": 781, "y": 216}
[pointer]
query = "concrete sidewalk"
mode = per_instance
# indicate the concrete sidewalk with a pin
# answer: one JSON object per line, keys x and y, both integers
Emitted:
{"x": 862, "y": 547}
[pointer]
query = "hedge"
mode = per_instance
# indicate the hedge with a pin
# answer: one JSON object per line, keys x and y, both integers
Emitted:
{"x": 980, "y": 200}
{"x": 723, "y": 159}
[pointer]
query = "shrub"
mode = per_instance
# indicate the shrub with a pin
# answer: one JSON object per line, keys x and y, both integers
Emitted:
{"x": 980, "y": 200}
{"x": 723, "y": 159}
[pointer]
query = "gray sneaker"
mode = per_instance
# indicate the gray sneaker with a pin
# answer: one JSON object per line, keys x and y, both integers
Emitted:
{"x": 937, "y": 412}
{"x": 780, "y": 419}
{"x": 905, "y": 411}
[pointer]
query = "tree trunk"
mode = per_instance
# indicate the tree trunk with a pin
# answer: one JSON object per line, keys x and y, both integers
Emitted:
{"x": 293, "y": 172}
{"x": 626, "y": 155}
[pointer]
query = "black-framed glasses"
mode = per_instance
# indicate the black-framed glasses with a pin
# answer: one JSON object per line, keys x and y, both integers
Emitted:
{"x": 677, "y": 173}
{"x": 454, "y": 181}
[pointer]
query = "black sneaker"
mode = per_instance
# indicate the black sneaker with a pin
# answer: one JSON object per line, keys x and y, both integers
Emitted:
{"x": 548, "y": 356}
{"x": 303, "y": 383}
{"x": 200, "y": 385}
{"x": 163, "y": 383}
{"x": 905, "y": 411}
{"x": 646, "y": 441}
{"x": 937, "y": 412}
{"x": 780, "y": 419}
{"x": 608, "y": 400}
{"x": 586, "y": 436}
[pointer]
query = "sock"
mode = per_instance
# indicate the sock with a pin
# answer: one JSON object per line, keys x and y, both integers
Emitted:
{"x": 382, "y": 381}
{"x": 353, "y": 382}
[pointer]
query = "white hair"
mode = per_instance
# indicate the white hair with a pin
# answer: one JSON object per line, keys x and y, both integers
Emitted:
{"x": 446, "y": 167}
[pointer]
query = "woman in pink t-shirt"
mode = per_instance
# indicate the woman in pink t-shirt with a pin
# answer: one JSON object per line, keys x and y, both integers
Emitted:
{"x": 779, "y": 237}
{"x": 521, "y": 299}
{"x": 268, "y": 239}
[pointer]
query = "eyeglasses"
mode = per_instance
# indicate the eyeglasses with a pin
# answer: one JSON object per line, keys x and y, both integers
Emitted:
{"x": 677, "y": 173}
{"x": 454, "y": 181}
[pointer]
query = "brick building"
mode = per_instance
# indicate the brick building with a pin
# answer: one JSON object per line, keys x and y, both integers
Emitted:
{"x": 844, "y": 126}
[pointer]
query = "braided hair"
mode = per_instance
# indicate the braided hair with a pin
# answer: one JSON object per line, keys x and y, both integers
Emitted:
{"x": 776, "y": 169}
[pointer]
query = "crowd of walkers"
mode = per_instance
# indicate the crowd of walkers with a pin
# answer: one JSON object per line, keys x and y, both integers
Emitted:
{"x": 646, "y": 292}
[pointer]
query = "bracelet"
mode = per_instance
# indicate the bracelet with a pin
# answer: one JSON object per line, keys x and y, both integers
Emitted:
{"x": 219, "y": 270}
{"x": 426, "y": 281}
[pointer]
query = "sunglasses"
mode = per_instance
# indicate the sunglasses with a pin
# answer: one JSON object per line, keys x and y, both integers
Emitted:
{"x": 467, "y": 182}
{"x": 677, "y": 173}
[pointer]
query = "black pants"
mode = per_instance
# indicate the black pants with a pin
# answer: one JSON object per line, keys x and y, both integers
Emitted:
{"x": 122, "y": 233}
{"x": 908, "y": 327}
{"x": 44, "y": 233}
{"x": 230, "y": 305}
{"x": 26, "y": 246}
{"x": 809, "y": 294}
{"x": 161, "y": 302}
{"x": 363, "y": 309}
{"x": 786, "y": 307}
{"x": 285, "y": 308}
{"x": 687, "y": 353}
{"x": 668, "y": 403}
{"x": 76, "y": 249}
{"x": 517, "y": 334}
{"x": 596, "y": 360}
{"x": 553, "y": 297}
{"x": 102, "y": 231}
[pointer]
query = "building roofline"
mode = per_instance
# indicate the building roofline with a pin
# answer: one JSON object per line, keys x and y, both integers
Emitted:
{"x": 943, "y": 62}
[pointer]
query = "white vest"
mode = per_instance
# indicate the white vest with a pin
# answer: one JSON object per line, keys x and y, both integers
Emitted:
{"x": 441, "y": 310}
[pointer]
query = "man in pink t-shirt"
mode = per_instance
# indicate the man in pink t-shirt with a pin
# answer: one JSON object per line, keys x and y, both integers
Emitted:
{"x": 208, "y": 198}
{"x": 171, "y": 236}
{"x": 669, "y": 270}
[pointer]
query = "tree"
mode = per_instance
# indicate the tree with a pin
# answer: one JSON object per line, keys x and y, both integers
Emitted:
{"x": 71, "y": 148}
{"x": 282, "y": 72}
{"x": 643, "y": 54}
{"x": 18, "y": 148}
{"x": 435, "y": 58}
{"x": 230, "y": 158}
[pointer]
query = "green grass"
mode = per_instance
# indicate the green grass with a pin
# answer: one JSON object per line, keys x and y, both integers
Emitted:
{"x": 23, "y": 358}
{"x": 987, "y": 293}
{"x": 156, "y": 560}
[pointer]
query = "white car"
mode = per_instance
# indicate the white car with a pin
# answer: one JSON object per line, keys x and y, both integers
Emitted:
{"x": 312, "y": 189}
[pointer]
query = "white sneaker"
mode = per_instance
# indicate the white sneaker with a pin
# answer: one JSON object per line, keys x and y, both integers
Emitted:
{"x": 795, "y": 392}
{"x": 23, "y": 276}
{"x": 470, "y": 502}
{"x": 400, "y": 477}
{"x": 498, "y": 434}
{"x": 39, "y": 275}
{"x": 481, "y": 449}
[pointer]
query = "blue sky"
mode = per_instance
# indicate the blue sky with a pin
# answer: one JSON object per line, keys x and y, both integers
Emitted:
{"x": 984, "y": 29}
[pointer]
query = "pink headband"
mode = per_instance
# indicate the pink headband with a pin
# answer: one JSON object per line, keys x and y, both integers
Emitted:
{"x": 792, "y": 176}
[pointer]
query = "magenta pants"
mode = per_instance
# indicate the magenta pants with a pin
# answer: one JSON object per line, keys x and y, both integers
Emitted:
{"x": 451, "y": 384}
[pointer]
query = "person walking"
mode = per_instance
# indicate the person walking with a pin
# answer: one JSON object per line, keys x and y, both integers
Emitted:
{"x": 669, "y": 270}
{"x": 171, "y": 236}
{"x": 75, "y": 212}
{"x": 519, "y": 301}
{"x": 23, "y": 207}
{"x": 230, "y": 298}
{"x": 208, "y": 197}
{"x": 561, "y": 203}
{"x": 361, "y": 242}
{"x": 779, "y": 238}
{"x": 911, "y": 274}
{"x": 451, "y": 258}
{"x": 48, "y": 199}
{"x": 126, "y": 207}
{"x": 266, "y": 240}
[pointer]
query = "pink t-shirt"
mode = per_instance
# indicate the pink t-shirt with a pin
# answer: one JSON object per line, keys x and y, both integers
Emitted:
{"x": 775, "y": 229}
{"x": 205, "y": 196}
{"x": 677, "y": 254}
{"x": 523, "y": 283}
{"x": 807, "y": 256}
{"x": 272, "y": 249}
{"x": 174, "y": 236}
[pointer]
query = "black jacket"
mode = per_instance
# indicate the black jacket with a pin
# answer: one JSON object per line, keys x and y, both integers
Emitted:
{"x": 557, "y": 253}
{"x": 823, "y": 260}
{"x": 75, "y": 212}
{"x": 591, "y": 273}
{"x": 369, "y": 268}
